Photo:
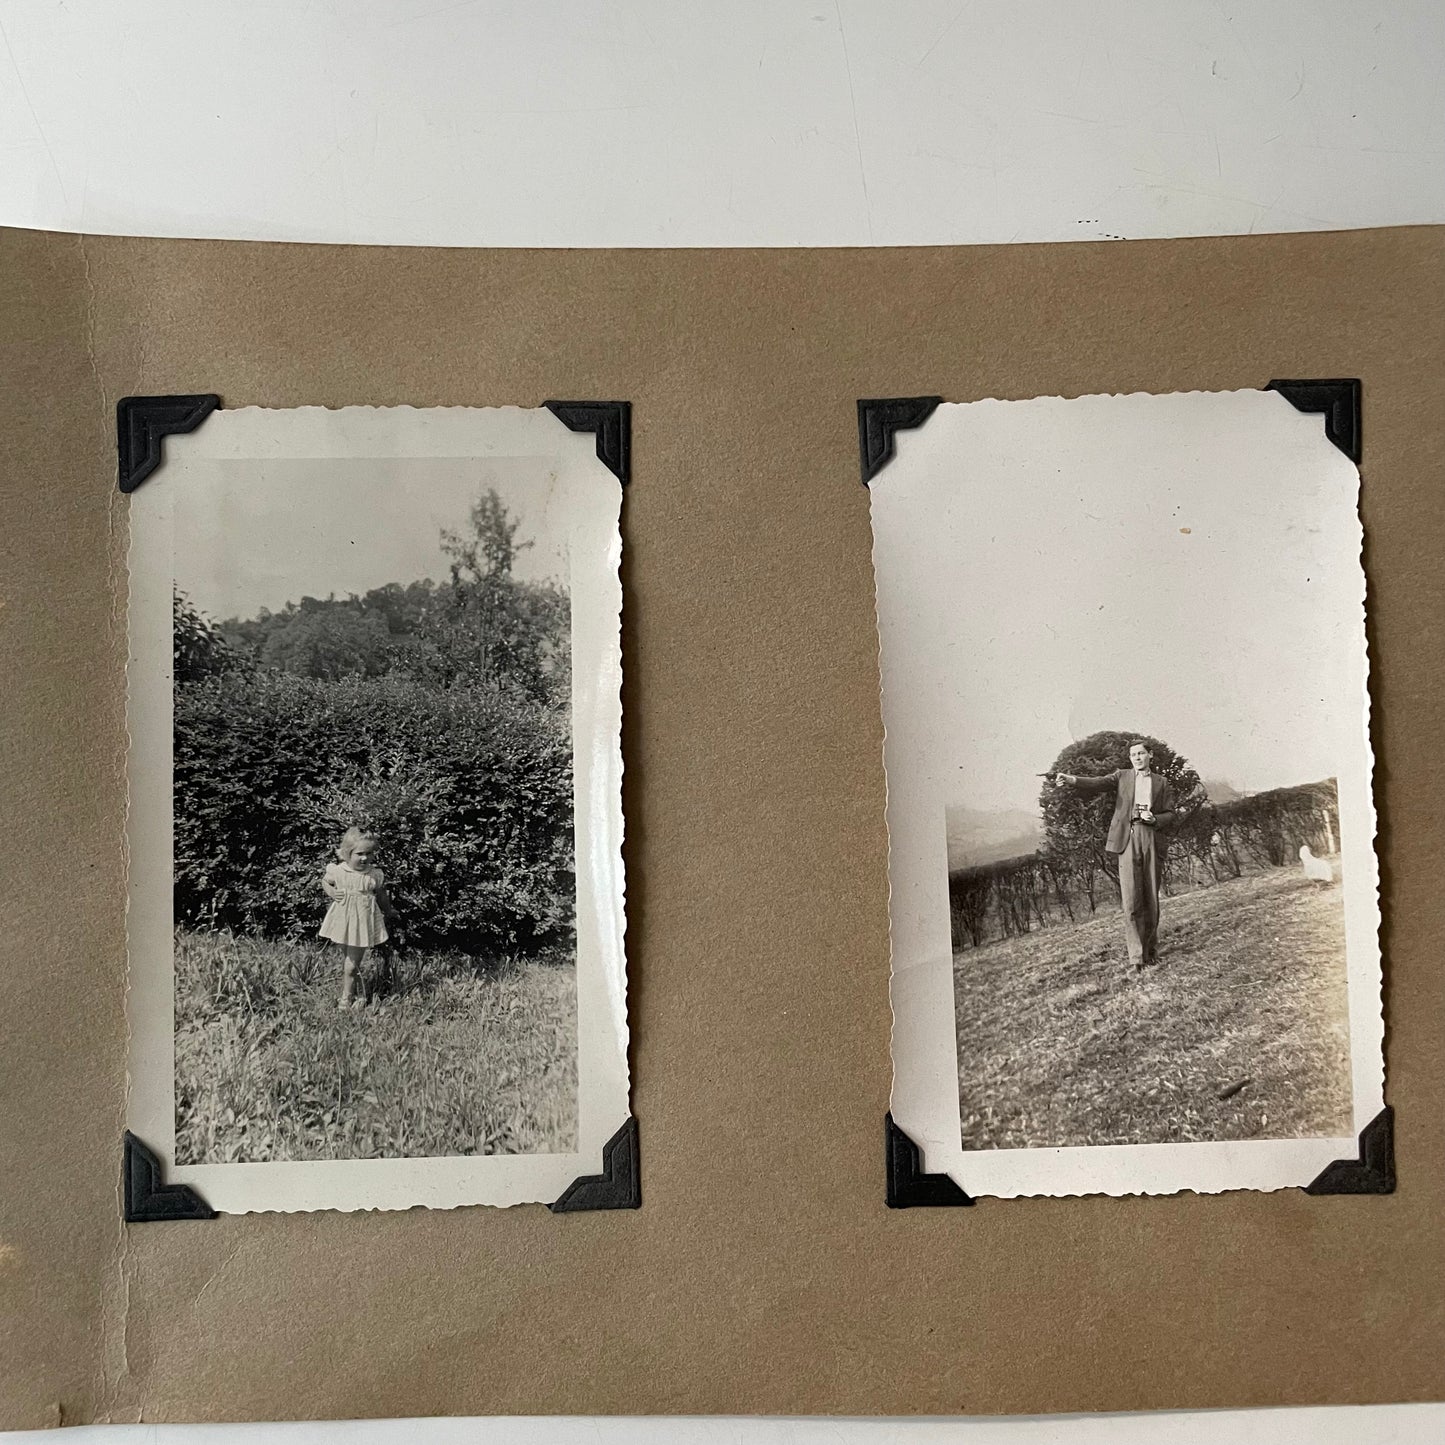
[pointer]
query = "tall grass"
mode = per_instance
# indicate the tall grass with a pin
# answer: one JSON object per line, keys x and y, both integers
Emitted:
{"x": 454, "y": 1058}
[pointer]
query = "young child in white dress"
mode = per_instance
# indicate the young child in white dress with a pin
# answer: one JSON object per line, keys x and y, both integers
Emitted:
{"x": 360, "y": 909}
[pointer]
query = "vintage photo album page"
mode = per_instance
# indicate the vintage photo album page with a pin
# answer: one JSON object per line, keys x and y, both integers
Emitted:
{"x": 1134, "y": 889}
{"x": 375, "y": 922}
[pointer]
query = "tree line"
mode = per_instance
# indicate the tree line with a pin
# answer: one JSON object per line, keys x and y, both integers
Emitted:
{"x": 482, "y": 628}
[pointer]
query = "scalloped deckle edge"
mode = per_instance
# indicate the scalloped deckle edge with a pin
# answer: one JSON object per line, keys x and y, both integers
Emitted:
{"x": 584, "y": 515}
{"x": 936, "y": 448}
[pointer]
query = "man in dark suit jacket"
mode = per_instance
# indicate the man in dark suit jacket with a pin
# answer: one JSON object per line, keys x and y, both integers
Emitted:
{"x": 1142, "y": 801}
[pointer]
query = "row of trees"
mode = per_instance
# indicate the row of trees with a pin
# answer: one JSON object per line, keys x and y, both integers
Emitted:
{"x": 483, "y": 628}
{"x": 437, "y": 714}
{"x": 1071, "y": 874}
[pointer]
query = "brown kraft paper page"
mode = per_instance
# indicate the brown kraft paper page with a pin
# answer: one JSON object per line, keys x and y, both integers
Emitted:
{"x": 763, "y": 1272}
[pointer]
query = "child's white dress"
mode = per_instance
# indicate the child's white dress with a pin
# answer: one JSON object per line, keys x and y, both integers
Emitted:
{"x": 355, "y": 918}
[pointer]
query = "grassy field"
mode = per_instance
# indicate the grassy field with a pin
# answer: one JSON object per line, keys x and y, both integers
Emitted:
{"x": 451, "y": 1060}
{"x": 1060, "y": 1042}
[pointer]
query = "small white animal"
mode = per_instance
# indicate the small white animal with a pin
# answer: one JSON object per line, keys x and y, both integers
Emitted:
{"x": 1316, "y": 868}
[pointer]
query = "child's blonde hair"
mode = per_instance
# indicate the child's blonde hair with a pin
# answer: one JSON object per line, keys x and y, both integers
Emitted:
{"x": 351, "y": 837}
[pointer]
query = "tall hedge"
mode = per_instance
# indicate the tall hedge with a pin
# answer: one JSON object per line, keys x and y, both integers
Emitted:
{"x": 468, "y": 789}
{"x": 1208, "y": 844}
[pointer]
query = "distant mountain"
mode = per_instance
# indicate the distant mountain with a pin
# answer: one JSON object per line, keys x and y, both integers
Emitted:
{"x": 979, "y": 836}
{"x": 1219, "y": 791}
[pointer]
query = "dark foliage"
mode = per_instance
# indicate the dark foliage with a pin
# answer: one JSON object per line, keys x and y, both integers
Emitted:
{"x": 200, "y": 649}
{"x": 435, "y": 715}
{"x": 1076, "y": 825}
{"x": 472, "y": 803}
{"x": 1264, "y": 830}
{"x": 483, "y": 628}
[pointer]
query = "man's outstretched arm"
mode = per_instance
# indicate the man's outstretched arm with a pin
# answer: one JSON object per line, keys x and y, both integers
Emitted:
{"x": 1101, "y": 784}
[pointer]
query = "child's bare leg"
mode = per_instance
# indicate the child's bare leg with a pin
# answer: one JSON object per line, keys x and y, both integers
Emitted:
{"x": 353, "y": 957}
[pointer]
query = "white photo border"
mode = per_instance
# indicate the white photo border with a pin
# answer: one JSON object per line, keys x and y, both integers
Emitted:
{"x": 593, "y": 496}
{"x": 925, "y": 1091}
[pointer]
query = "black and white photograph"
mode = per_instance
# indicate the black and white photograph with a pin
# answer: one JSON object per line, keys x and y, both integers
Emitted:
{"x": 1131, "y": 835}
{"x": 374, "y": 821}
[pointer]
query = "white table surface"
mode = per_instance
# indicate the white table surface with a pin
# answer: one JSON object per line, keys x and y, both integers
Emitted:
{"x": 731, "y": 123}
{"x": 728, "y": 123}
{"x": 1339, "y": 1425}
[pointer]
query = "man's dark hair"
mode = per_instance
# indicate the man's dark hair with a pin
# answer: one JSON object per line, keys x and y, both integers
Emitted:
{"x": 1140, "y": 743}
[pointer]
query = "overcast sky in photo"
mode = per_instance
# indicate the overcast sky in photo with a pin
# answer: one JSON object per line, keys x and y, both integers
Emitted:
{"x": 279, "y": 531}
{"x": 1185, "y": 566}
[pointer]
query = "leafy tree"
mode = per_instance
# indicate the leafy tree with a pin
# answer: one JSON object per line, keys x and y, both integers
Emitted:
{"x": 501, "y": 632}
{"x": 390, "y": 629}
{"x": 1076, "y": 825}
{"x": 483, "y": 628}
{"x": 330, "y": 643}
{"x": 198, "y": 647}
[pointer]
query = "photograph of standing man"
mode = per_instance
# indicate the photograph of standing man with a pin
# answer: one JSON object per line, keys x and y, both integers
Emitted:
{"x": 1143, "y": 800}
